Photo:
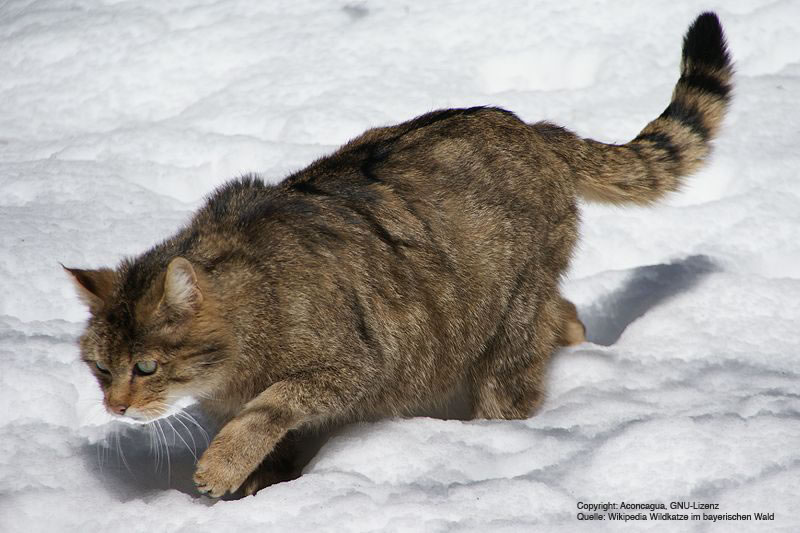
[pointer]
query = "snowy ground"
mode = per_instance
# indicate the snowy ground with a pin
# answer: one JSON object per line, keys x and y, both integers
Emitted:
{"x": 117, "y": 117}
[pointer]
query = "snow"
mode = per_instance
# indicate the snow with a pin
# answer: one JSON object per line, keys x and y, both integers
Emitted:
{"x": 118, "y": 116}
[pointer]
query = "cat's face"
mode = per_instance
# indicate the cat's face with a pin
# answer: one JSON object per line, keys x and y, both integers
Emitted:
{"x": 147, "y": 354}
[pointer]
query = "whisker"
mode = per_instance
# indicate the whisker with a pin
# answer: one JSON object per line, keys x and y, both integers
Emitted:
{"x": 175, "y": 432}
{"x": 121, "y": 454}
{"x": 155, "y": 446}
{"x": 97, "y": 446}
{"x": 166, "y": 449}
{"x": 194, "y": 443}
{"x": 106, "y": 450}
{"x": 192, "y": 420}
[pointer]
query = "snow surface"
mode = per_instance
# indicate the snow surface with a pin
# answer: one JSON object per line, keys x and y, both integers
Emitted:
{"x": 117, "y": 117}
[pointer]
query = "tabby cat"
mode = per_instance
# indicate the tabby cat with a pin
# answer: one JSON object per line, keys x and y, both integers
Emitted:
{"x": 416, "y": 259}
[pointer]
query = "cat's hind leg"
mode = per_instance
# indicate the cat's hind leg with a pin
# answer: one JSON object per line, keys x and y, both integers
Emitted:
{"x": 572, "y": 330}
{"x": 508, "y": 381}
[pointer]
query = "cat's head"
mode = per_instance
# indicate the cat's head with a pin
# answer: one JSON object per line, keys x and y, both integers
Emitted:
{"x": 155, "y": 335}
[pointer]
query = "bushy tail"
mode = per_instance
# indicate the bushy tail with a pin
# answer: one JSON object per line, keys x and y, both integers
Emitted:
{"x": 671, "y": 146}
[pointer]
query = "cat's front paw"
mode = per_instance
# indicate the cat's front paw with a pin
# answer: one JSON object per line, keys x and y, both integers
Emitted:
{"x": 219, "y": 471}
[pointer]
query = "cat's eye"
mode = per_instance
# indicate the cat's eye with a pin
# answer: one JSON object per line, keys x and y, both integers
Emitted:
{"x": 146, "y": 367}
{"x": 101, "y": 367}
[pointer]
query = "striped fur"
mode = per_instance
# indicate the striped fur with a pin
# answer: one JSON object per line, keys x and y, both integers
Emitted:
{"x": 670, "y": 147}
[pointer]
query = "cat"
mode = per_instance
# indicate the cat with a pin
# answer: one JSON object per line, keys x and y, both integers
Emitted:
{"x": 415, "y": 259}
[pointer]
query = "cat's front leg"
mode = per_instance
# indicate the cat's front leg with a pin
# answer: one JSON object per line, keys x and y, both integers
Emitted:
{"x": 236, "y": 452}
{"x": 244, "y": 442}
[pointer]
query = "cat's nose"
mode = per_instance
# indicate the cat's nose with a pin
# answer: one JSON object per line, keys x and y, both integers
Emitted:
{"x": 119, "y": 409}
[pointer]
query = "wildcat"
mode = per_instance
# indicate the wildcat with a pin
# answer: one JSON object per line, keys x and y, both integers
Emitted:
{"x": 415, "y": 259}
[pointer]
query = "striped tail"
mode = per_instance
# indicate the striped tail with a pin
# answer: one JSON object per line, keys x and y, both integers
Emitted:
{"x": 671, "y": 146}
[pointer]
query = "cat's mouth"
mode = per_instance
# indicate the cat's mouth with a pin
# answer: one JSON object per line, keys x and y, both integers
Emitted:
{"x": 147, "y": 414}
{"x": 140, "y": 416}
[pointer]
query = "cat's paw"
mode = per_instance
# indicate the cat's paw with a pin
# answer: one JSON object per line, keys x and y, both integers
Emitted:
{"x": 218, "y": 471}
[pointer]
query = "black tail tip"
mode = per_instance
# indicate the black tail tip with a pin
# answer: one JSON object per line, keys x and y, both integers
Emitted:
{"x": 704, "y": 43}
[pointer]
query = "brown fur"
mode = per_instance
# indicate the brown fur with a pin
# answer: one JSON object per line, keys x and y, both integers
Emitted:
{"x": 416, "y": 259}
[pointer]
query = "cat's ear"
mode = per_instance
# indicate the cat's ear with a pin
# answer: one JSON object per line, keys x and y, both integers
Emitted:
{"x": 94, "y": 286}
{"x": 181, "y": 291}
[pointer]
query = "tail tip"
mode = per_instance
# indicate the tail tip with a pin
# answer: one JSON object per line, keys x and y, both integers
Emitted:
{"x": 704, "y": 43}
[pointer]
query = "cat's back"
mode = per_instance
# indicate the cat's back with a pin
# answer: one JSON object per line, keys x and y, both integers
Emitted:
{"x": 437, "y": 177}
